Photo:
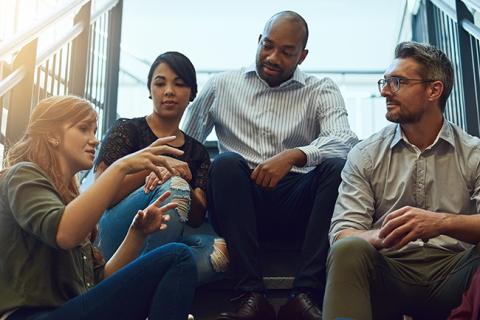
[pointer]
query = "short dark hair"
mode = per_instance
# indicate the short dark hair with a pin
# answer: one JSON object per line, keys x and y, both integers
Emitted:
{"x": 182, "y": 66}
{"x": 435, "y": 65}
{"x": 292, "y": 15}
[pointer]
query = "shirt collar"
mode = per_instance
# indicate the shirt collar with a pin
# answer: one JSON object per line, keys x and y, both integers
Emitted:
{"x": 445, "y": 134}
{"x": 298, "y": 76}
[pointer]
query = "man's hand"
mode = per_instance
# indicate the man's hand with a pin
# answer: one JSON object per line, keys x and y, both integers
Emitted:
{"x": 409, "y": 224}
{"x": 268, "y": 173}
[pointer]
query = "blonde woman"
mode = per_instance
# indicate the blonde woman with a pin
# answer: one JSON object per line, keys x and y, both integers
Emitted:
{"x": 49, "y": 267}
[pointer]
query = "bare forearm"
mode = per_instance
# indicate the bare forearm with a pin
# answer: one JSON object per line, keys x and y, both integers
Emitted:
{"x": 82, "y": 214}
{"x": 462, "y": 227}
{"x": 127, "y": 252}
{"x": 129, "y": 183}
{"x": 297, "y": 157}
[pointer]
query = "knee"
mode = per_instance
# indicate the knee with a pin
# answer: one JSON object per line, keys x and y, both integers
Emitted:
{"x": 330, "y": 171}
{"x": 351, "y": 254}
{"x": 226, "y": 163}
{"x": 334, "y": 165}
{"x": 180, "y": 194}
{"x": 219, "y": 257}
{"x": 183, "y": 253}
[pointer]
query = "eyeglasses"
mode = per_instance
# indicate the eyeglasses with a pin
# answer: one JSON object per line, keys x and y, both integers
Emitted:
{"x": 395, "y": 82}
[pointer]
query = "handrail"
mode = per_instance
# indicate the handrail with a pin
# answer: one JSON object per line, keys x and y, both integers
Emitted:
{"x": 23, "y": 38}
{"x": 72, "y": 34}
{"x": 12, "y": 80}
{"x": 471, "y": 28}
{"x": 404, "y": 15}
{"x": 106, "y": 7}
{"x": 445, "y": 7}
{"x": 475, "y": 4}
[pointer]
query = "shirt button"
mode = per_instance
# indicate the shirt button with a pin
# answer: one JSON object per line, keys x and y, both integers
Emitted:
{"x": 84, "y": 257}
{"x": 89, "y": 284}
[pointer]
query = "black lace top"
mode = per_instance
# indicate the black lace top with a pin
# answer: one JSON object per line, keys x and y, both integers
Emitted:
{"x": 130, "y": 135}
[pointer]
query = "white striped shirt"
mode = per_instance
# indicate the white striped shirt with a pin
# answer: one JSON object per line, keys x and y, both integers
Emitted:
{"x": 258, "y": 121}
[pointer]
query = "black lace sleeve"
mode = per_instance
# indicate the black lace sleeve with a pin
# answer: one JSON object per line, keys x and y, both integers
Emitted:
{"x": 201, "y": 175}
{"x": 119, "y": 141}
{"x": 196, "y": 155}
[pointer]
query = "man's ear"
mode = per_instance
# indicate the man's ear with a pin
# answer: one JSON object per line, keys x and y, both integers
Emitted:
{"x": 435, "y": 90}
{"x": 303, "y": 55}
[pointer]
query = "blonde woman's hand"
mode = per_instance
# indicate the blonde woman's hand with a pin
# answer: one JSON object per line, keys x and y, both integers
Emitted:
{"x": 153, "y": 218}
{"x": 152, "y": 180}
{"x": 151, "y": 158}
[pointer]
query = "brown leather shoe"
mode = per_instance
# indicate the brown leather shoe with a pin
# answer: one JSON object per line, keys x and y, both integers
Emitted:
{"x": 302, "y": 307}
{"x": 252, "y": 306}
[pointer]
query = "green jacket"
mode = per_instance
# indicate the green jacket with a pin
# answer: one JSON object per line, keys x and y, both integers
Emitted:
{"x": 34, "y": 271}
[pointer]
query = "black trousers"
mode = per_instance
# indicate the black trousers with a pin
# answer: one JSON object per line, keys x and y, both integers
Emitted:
{"x": 300, "y": 207}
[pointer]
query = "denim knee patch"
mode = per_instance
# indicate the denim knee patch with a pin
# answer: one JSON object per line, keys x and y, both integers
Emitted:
{"x": 219, "y": 257}
{"x": 181, "y": 195}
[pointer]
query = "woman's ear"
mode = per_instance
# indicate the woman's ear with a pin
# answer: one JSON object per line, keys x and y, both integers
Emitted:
{"x": 53, "y": 141}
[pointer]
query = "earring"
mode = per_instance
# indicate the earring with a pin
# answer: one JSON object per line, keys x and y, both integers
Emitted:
{"x": 55, "y": 142}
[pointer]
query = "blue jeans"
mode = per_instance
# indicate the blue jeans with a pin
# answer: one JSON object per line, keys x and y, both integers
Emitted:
{"x": 114, "y": 224}
{"x": 158, "y": 285}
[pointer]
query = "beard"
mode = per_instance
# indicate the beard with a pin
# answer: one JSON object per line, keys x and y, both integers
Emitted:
{"x": 401, "y": 116}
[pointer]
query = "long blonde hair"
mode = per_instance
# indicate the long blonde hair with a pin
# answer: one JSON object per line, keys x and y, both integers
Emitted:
{"x": 46, "y": 121}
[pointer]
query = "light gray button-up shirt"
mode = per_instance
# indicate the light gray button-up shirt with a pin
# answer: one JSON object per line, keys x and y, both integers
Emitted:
{"x": 385, "y": 172}
{"x": 258, "y": 121}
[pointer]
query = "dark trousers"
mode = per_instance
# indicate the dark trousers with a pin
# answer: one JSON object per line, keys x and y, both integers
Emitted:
{"x": 299, "y": 207}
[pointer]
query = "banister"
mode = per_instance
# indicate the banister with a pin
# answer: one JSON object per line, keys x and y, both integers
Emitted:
{"x": 69, "y": 36}
{"x": 475, "y": 4}
{"x": 106, "y": 7}
{"x": 445, "y": 7}
{"x": 17, "y": 42}
{"x": 471, "y": 28}
{"x": 11, "y": 80}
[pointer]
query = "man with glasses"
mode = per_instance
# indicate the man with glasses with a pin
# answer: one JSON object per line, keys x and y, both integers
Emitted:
{"x": 406, "y": 223}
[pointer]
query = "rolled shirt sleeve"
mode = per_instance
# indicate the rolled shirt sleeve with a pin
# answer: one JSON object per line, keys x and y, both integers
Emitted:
{"x": 355, "y": 203}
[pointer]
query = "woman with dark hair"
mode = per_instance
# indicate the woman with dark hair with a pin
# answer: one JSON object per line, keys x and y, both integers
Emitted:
{"x": 49, "y": 267}
{"x": 172, "y": 84}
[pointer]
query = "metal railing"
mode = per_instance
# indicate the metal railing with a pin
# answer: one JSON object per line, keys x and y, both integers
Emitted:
{"x": 453, "y": 30}
{"x": 76, "y": 63}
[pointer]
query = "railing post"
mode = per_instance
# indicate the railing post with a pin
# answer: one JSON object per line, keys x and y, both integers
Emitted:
{"x": 79, "y": 58}
{"x": 468, "y": 77}
{"x": 113, "y": 65}
{"x": 432, "y": 38}
{"x": 20, "y": 102}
